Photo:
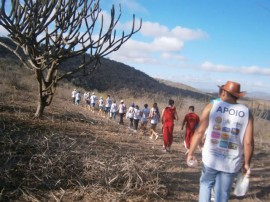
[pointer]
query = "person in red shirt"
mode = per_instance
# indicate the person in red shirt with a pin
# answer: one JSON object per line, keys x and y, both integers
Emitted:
{"x": 168, "y": 116}
{"x": 191, "y": 122}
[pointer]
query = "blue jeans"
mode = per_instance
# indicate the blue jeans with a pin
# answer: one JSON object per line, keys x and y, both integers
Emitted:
{"x": 222, "y": 182}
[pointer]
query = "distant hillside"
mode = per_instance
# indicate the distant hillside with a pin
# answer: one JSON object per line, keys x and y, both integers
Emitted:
{"x": 115, "y": 76}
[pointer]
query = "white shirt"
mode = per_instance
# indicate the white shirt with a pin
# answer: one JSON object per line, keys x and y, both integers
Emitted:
{"x": 108, "y": 102}
{"x": 113, "y": 107}
{"x": 130, "y": 113}
{"x": 78, "y": 96}
{"x": 101, "y": 102}
{"x": 137, "y": 114}
{"x": 223, "y": 147}
{"x": 93, "y": 98}
{"x": 73, "y": 94}
{"x": 122, "y": 108}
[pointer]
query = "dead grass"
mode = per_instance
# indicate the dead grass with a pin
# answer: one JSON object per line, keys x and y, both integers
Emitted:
{"x": 74, "y": 155}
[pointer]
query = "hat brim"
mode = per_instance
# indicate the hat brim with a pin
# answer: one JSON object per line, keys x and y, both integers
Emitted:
{"x": 238, "y": 95}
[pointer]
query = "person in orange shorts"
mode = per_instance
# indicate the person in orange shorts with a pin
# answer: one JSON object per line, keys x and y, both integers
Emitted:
{"x": 191, "y": 121}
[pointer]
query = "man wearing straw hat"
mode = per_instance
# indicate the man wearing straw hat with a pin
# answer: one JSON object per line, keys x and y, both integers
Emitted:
{"x": 229, "y": 142}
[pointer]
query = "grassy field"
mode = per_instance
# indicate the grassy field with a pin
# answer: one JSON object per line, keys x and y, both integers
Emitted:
{"x": 72, "y": 154}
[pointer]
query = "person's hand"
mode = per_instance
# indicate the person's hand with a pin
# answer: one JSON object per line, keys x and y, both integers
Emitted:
{"x": 246, "y": 169}
{"x": 190, "y": 157}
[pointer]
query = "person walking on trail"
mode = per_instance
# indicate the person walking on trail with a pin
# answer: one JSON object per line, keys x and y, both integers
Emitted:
{"x": 78, "y": 98}
{"x": 122, "y": 111}
{"x": 145, "y": 114}
{"x": 93, "y": 100}
{"x": 108, "y": 105}
{"x": 73, "y": 95}
{"x": 229, "y": 143}
{"x": 137, "y": 117}
{"x": 191, "y": 122}
{"x": 154, "y": 117}
{"x": 101, "y": 106}
{"x": 113, "y": 110}
{"x": 168, "y": 116}
{"x": 130, "y": 115}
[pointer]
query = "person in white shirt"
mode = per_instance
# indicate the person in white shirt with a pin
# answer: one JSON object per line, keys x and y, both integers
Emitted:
{"x": 154, "y": 117}
{"x": 229, "y": 142}
{"x": 137, "y": 117}
{"x": 101, "y": 106}
{"x": 122, "y": 111}
{"x": 77, "y": 98}
{"x": 145, "y": 116}
{"x": 113, "y": 110}
{"x": 73, "y": 95}
{"x": 130, "y": 115}
{"x": 108, "y": 105}
{"x": 93, "y": 100}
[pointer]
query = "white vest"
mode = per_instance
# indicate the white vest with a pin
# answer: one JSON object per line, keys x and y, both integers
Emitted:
{"x": 223, "y": 149}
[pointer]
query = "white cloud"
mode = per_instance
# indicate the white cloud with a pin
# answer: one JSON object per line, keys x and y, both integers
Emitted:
{"x": 208, "y": 66}
{"x": 188, "y": 34}
{"x": 154, "y": 29}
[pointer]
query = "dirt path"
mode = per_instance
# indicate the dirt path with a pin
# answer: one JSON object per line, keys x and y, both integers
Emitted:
{"x": 182, "y": 181}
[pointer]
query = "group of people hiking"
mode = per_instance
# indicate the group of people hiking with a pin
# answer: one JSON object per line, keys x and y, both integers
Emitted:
{"x": 139, "y": 118}
{"x": 224, "y": 133}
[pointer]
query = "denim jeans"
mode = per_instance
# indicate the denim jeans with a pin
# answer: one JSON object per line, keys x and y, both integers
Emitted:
{"x": 221, "y": 180}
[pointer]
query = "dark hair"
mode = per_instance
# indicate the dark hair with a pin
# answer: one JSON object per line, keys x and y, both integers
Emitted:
{"x": 145, "y": 105}
{"x": 171, "y": 102}
{"x": 191, "y": 108}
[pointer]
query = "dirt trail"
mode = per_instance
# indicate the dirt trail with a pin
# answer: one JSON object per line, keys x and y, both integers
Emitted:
{"x": 182, "y": 181}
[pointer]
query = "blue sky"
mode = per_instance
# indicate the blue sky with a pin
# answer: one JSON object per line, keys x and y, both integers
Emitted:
{"x": 200, "y": 43}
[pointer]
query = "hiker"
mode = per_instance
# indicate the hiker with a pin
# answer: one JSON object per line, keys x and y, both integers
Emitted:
{"x": 108, "y": 105}
{"x": 121, "y": 110}
{"x": 100, "y": 106}
{"x": 229, "y": 142}
{"x": 85, "y": 95}
{"x": 169, "y": 114}
{"x": 73, "y": 95}
{"x": 87, "y": 101}
{"x": 93, "y": 100}
{"x": 113, "y": 110}
{"x": 145, "y": 114}
{"x": 191, "y": 121}
{"x": 154, "y": 118}
{"x": 78, "y": 98}
{"x": 137, "y": 117}
{"x": 130, "y": 115}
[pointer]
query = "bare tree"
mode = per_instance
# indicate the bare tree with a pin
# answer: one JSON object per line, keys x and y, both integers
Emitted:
{"x": 51, "y": 31}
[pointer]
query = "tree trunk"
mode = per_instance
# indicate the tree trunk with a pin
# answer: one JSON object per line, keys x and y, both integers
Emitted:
{"x": 42, "y": 103}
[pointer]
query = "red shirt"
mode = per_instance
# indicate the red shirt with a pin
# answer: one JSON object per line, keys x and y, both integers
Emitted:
{"x": 168, "y": 115}
{"x": 192, "y": 120}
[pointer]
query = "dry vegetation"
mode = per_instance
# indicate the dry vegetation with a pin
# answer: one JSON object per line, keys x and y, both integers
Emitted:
{"x": 74, "y": 155}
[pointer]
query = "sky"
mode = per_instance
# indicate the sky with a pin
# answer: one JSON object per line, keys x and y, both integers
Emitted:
{"x": 201, "y": 43}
